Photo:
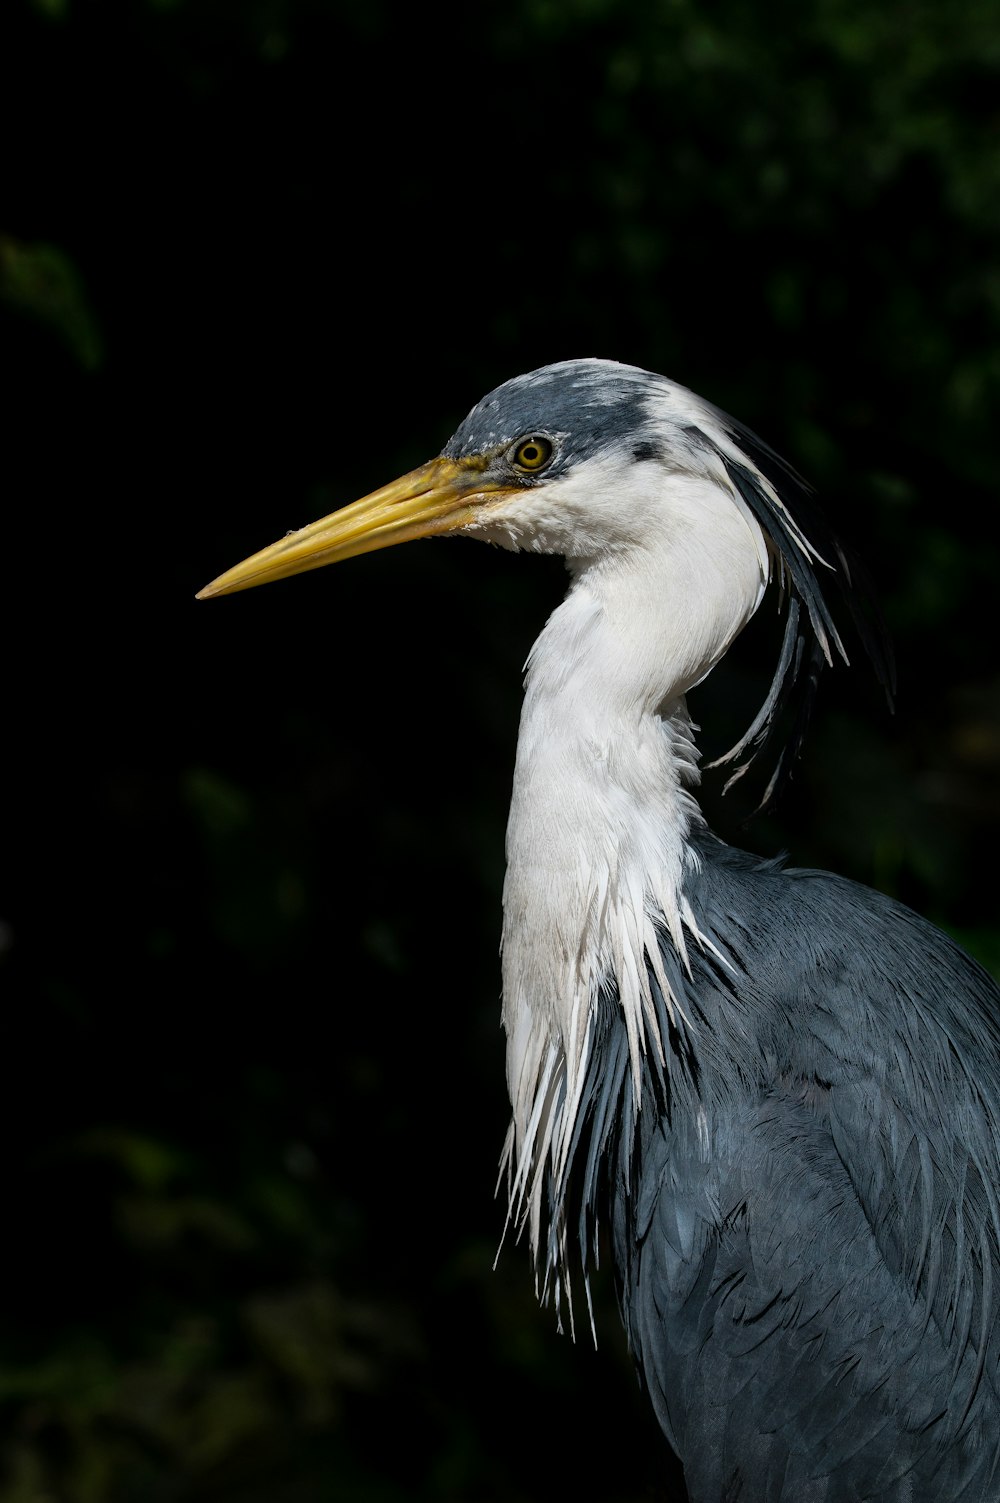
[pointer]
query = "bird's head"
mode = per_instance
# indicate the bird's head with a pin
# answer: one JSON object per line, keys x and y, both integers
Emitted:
{"x": 547, "y": 462}
{"x": 583, "y": 459}
{"x": 577, "y": 459}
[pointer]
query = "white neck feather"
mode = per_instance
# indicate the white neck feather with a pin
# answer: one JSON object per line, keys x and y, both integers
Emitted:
{"x": 602, "y": 807}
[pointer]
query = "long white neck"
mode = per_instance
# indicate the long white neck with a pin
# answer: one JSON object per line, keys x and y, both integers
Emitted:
{"x": 602, "y": 805}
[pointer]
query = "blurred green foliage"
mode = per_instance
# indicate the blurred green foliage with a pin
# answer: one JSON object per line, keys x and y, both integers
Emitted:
{"x": 41, "y": 282}
{"x": 254, "y": 260}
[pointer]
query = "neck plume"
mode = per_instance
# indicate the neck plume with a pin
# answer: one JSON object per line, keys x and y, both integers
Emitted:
{"x": 602, "y": 807}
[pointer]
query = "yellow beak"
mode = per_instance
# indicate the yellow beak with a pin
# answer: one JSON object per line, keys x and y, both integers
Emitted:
{"x": 441, "y": 496}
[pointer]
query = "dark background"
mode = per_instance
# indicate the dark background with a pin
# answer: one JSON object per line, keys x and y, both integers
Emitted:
{"x": 256, "y": 259}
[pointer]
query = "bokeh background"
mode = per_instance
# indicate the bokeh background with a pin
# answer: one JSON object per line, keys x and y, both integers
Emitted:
{"x": 255, "y": 259}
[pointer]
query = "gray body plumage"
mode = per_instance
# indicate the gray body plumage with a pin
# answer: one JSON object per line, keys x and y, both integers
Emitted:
{"x": 813, "y": 1304}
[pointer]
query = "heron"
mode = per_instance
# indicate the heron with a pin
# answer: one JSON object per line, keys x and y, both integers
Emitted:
{"x": 773, "y": 1092}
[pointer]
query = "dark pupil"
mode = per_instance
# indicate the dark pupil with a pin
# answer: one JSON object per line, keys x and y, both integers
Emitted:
{"x": 531, "y": 453}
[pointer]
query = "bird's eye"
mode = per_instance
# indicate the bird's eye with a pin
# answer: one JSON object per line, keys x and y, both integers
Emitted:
{"x": 532, "y": 453}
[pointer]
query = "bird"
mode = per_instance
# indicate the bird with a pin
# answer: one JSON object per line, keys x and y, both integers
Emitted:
{"x": 772, "y": 1092}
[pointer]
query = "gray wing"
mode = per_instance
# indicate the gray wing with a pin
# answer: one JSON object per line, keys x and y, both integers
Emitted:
{"x": 806, "y": 1229}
